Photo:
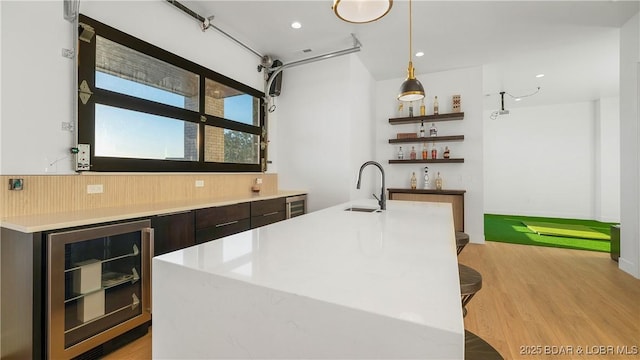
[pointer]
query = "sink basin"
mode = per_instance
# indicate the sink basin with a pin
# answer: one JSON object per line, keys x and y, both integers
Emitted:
{"x": 360, "y": 209}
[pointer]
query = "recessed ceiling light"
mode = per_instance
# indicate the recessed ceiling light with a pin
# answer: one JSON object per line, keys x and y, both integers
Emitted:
{"x": 518, "y": 99}
{"x": 419, "y": 53}
{"x": 296, "y": 25}
{"x": 540, "y": 75}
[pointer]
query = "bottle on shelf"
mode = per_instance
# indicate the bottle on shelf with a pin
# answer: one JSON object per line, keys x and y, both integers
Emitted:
{"x": 426, "y": 178}
{"x": 434, "y": 152}
{"x": 445, "y": 154}
{"x": 400, "y": 154}
{"x": 421, "y": 128}
{"x": 438, "y": 182}
{"x": 424, "y": 151}
{"x": 400, "y": 109}
{"x": 414, "y": 181}
{"x": 411, "y": 109}
{"x": 412, "y": 154}
{"x": 423, "y": 109}
{"x": 433, "y": 130}
{"x": 435, "y": 106}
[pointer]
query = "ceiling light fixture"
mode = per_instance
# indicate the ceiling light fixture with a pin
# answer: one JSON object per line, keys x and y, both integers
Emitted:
{"x": 540, "y": 75}
{"x": 361, "y": 11}
{"x": 419, "y": 54}
{"x": 411, "y": 89}
{"x": 296, "y": 25}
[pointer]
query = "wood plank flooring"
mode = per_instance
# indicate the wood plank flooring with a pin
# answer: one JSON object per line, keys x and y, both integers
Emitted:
{"x": 538, "y": 303}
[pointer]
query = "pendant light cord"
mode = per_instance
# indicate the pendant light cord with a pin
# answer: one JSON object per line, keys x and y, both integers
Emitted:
{"x": 410, "y": 32}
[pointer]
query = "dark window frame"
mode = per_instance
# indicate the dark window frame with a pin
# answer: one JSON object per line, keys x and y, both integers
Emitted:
{"x": 86, "y": 113}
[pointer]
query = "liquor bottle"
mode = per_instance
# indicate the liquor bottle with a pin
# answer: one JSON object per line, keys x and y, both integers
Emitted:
{"x": 412, "y": 154}
{"x": 424, "y": 151}
{"x": 435, "y": 106}
{"x": 426, "y": 178}
{"x": 438, "y": 182}
{"x": 433, "y": 131}
{"x": 445, "y": 154}
{"x": 411, "y": 109}
{"x": 434, "y": 152}
{"x": 423, "y": 109}
{"x": 400, "y": 109}
{"x": 400, "y": 154}
{"x": 421, "y": 128}
{"x": 414, "y": 181}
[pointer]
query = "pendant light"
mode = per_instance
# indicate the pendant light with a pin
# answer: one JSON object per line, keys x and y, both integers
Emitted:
{"x": 411, "y": 89}
{"x": 361, "y": 11}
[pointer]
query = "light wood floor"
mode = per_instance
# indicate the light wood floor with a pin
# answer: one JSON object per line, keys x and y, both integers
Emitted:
{"x": 536, "y": 297}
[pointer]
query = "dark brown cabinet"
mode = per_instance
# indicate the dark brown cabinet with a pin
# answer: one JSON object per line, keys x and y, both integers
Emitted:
{"x": 265, "y": 212}
{"x": 454, "y": 197}
{"x": 216, "y": 222}
{"x": 173, "y": 232}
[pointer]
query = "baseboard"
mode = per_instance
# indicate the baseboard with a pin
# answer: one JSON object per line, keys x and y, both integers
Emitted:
{"x": 629, "y": 267}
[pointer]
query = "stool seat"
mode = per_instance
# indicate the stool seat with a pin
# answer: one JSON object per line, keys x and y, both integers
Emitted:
{"x": 476, "y": 348}
{"x": 462, "y": 239}
{"x": 470, "y": 284}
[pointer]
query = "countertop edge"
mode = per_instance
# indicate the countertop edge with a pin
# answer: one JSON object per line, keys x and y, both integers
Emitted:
{"x": 52, "y": 221}
{"x": 426, "y": 191}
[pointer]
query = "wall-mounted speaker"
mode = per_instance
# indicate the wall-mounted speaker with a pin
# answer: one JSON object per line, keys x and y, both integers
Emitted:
{"x": 276, "y": 85}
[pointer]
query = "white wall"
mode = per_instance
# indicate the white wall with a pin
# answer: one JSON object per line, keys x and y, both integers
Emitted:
{"x": 37, "y": 86}
{"x": 630, "y": 147}
{"x": 539, "y": 161}
{"x": 465, "y": 176}
{"x": 324, "y": 130}
{"x": 607, "y": 163}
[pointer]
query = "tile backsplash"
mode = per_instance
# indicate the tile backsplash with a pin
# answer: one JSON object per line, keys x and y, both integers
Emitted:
{"x": 42, "y": 194}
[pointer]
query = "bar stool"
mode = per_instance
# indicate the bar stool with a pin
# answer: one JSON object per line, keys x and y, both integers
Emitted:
{"x": 462, "y": 239}
{"x": 477, "y": 349}
{"x": 470, "y": 284}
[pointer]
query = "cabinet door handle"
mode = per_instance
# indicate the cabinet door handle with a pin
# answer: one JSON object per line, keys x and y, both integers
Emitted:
{"x": 227, "y": 223}
{"x": 271, "y": 213}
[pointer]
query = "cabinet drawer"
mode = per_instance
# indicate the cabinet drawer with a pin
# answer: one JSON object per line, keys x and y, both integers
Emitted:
{"x": 173, "y": 232}
{"x": 206, "y": 218}
{"x": 268, "y": 218}
{"x": 262, "y": 207}
{"x": 221, "y": 230}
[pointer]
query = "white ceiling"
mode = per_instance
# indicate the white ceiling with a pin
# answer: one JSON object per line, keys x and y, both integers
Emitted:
{"x": 570, "y": 41}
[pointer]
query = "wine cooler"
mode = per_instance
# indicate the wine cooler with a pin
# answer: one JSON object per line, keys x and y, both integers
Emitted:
{"x": 99, "y": 282}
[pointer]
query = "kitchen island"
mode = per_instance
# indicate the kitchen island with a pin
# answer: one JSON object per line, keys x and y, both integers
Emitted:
{"x": 329, "y": 284}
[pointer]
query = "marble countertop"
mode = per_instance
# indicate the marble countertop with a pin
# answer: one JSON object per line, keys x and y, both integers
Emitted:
{"x": 400, "y": 263}
{"x": 53, "y": 221}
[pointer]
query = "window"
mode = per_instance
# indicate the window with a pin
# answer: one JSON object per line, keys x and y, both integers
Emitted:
{"x": 145, "y": 109}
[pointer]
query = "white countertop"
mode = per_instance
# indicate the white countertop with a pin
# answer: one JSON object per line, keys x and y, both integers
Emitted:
{"x": 44, "y": 222}
{"x": 400, "y": 263}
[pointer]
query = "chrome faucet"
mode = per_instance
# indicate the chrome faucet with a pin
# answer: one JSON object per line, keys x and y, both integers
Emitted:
{"x": 381, "y": 200}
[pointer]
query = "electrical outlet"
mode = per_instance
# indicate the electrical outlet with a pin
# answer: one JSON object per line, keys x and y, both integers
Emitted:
{"x": 68, "y": 53}
{"x": 83, "y": 160}
{"x": 16, "y": 184}
{"x": 199, "y": 183}
{"x": 95, "y": 189}
{"x": 67, "y": 126}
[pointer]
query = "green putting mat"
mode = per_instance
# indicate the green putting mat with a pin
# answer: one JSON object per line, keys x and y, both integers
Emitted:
{"x": 510, "y": 229}
{"x": 565, "y": 230}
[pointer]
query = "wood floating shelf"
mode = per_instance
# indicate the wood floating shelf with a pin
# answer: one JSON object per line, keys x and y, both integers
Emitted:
{"x": 423, "y": 161}
{"x": 427, "y": 139}
{"x": 426, "y": 118}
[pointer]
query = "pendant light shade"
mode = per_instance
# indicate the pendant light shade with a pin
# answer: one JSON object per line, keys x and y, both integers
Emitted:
{"x": 411, "y": 89}
{"x": 361, "y": 11}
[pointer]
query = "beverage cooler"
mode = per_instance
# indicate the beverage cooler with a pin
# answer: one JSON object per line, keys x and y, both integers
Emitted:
{"x": 98, "y": 285}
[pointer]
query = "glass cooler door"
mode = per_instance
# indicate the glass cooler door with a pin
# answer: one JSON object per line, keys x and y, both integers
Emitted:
{"x": 98, "y": 285}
